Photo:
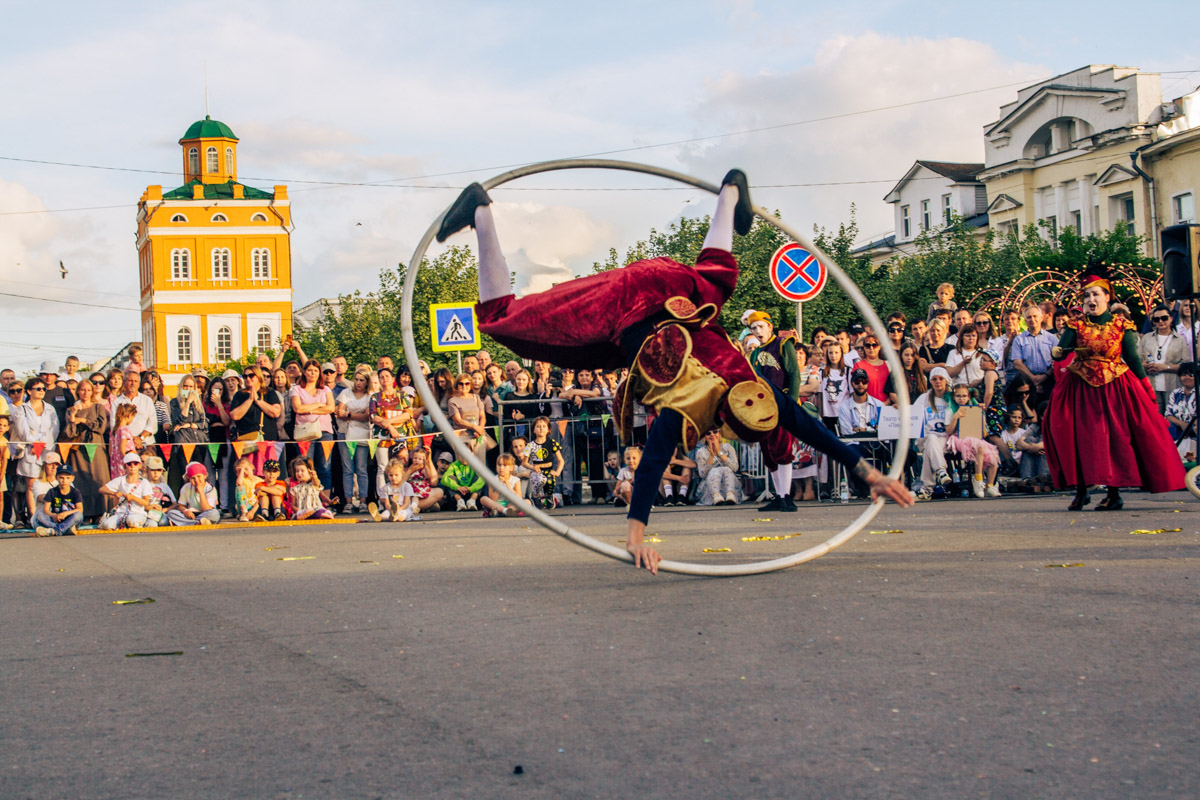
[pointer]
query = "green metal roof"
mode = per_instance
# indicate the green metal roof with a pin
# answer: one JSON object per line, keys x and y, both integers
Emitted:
{"x": 209, "y": 128}
{"x": 217, "y": 191}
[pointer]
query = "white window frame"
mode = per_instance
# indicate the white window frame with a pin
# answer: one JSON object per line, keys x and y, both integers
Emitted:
{"x": 260, "y": 264}
{"x": 193, "y": 161}
{"x": 1176, "y": 209}
{"x": 947, "y": 210}
{"x": 259, "y": 338}
{"x": 219, "y": 217}
{"x": 181, "y": 265}
{"x": 179, "y": 218}
{"x": 184, "y": 350}
{"x": 212, "y": 161}
{"x": 227, "y": 332}
{"x": 222, "y": 265}
{"x": 905, "y": 222}
{"x": 229, "y": 161}
{"x": 259, "y": 217}
{"x": 926, "y": 220}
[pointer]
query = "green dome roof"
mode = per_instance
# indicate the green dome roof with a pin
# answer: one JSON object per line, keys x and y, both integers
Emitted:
{"x": 209, "y": 128}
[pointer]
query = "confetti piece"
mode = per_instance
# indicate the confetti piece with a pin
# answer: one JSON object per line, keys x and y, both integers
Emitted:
{"x": 717, "y": 550}
{"x": 886, "y": 532}
{"x": 146, "y": 655}
{"x": 132, "y": 602}
{"x": 764, "y": 519}
{"x": 397, "y": 556}
{"x": 368, "y": 562}
{"x": 652, "y": 539}
{"x": 277, "y": 547}
{"x": 769, "y": 538}
{"x": 296, "y": 558}
{"x": 1048, "y": 566}
{"x": 1143, "y": 531}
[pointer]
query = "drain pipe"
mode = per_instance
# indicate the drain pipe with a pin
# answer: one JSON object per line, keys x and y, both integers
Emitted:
{"x": 1133, "y": 157}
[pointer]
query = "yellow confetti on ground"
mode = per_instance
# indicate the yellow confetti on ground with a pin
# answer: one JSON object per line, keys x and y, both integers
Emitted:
{"x": 277, "y": 547}
{"x": 770, "y": 538}
{"x": 397, "y": 556}
{"x": 1144, "y": 531}
{"x": 1063, "y": 565}
{"x": 132, "y": 602}
{"x": 717, "y": 550}
{"x": 296, "y": 558}
{"x": 884, "y": 532}
{"x": 368, "y": 562}
{"x": 763, "y": 519}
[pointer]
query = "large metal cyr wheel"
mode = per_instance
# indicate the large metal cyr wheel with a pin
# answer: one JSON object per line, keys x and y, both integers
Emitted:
{"x": 557, "y": 526}
{"x": 1192, "y": 481}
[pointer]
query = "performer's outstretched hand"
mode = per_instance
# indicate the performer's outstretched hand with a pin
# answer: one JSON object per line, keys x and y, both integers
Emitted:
{"x": 883, "y": 486}
{"x": 643, "y": 556}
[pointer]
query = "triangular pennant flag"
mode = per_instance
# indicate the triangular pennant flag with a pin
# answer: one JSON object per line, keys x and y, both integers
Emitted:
{"x": 279, "y": 450}
{"x": 188, "y": 449}
{"x": 90, "y": 449}
{"x": 214, "y": 450}
{"x": 304, "y": 448}
{"x": 562, "y": 427}
{"x": 166, "y": 451}
{"x": 498, "y": 433}
{"x": 604, "y": 418}
{"x": 372, "y": 446}
{"x": 328, "y": 448}
{"x": 352, "y": 447}
{"x": 585, "y": 416}
{"x": 63, "y": 449}
{"x": 427, "y": 441}
{"x": 238, "y": 447}
{"x": 265, "y": 449}
{"x": 38, "y": 447}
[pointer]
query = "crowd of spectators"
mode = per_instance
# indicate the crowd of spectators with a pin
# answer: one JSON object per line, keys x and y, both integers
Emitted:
{"x": 301, "y": 439}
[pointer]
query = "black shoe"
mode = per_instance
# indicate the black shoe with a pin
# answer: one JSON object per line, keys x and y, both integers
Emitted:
{"x": 619, "y": 502}
{"x": 743, "y": 213}
{"x": 787, "y": 505}
{"x": 462, "y": 212}
{"x": 1111, "y": 504}
{"x": 1079, "y": 502}
{"x": 774, "y": 504}
{"x": 279, "y": 515}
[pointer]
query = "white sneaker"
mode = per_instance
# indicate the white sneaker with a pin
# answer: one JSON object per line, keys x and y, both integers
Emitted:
{"x": 977, "y": 486}
{"x": 462, "y": 505}
{"x": 6, "y": 526}
{"x": 205, "y": 521}
{"x": 992, "y": 490}
{"x": 43, "y": 531}
{"x": 503, "y": 512}
{"x": 943, "y": 477}
{"x": 471, "y": 505}
{"x": 731, "y": 498}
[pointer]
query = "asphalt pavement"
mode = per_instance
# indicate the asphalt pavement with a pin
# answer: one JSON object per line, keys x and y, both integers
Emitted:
{"x": 1001, "y": 648}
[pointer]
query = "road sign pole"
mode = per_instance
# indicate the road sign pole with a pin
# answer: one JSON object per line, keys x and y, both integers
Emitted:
{"x": 459, "y": 363}
{"x": 800, "y": 321}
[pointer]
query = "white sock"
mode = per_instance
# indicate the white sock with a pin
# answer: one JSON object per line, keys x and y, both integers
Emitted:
{"x": 668, "y": 490}
{"x": 781, "y": 488}
{"x": 785, "y": 478}
{"x": 720, "y": 230}
{"x": 494, "y": 280}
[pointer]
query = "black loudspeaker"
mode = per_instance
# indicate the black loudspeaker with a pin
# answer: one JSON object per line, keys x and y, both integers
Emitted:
{"x": 1180, "y": 247}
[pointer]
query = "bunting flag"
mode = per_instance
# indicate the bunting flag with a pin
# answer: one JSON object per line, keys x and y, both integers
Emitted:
{"x": 427, "y": 441}
{"x": 265, "y": 449}
{"x": 604, "y": 418}
{"x": 304, "y": 448}
{"x": 63, "y": 449}
{"x": 562, "y": 427}
{"x": 90, "y": 449}
{"x": 328, "y": 448}
{"x": 498, "y": 433}
{"x": 372, "y": 446}
{"x": 238, "y": 447}
{"x": 214, "y": 450}
{"x": 352, "y": 447}
{"x": 188, "y": 449}
{"x": 166, "y": 451}
{"x": 279, "y": 451}
{"x": 38, "y": 448}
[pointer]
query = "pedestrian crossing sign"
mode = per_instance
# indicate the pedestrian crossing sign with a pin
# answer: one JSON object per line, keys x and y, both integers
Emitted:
{"x": 453, "y": 327}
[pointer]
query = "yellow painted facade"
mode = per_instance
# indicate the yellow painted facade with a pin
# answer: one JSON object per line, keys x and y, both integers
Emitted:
{"x": 214, "y": 260}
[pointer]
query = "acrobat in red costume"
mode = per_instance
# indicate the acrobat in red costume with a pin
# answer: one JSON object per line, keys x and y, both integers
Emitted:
{"x": 656, "y": 317}
{"x": 1103, "y": 425}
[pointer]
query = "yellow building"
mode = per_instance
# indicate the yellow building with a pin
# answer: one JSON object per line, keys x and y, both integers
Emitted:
{"x": 215, "y": 261}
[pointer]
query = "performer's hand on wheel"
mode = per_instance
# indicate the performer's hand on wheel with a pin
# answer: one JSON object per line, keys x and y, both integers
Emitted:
{"x": 885, "y": 487}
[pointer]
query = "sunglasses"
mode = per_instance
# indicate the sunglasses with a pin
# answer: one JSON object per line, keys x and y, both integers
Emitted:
{"x": 1161, "y": 319}
{"x": 97, "y": 381}
{"x": 1022, "y": 391}
{"x": 249, "y": 375}
{"x": 465, "y": 383}
{"x": 37, "y": 388}
{"x": 860, "y": 380}
{"x": 895, "y": 327}
{"x": 871, "y": 344}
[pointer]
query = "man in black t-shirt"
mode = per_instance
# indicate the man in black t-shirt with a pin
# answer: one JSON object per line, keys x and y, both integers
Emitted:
{"x": 253, "y": 409}
{"x": 61, "y": 508}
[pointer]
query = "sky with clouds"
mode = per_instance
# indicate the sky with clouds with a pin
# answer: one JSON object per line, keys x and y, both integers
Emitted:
{"x": 420, "y": 98}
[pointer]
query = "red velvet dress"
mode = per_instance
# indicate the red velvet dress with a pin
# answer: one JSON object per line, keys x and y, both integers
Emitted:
{"x": 1103, "y": 425}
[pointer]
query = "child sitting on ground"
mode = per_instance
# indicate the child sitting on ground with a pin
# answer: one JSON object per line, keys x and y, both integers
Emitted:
{"x": 462, "y": 483}
{"x": 517, "y": 451}
{"x": 162, "y": 498}
{"x": 245, "y": 489}
{"x": 197, "y": 500}
{"x": 304, "y": 492}
{"x": 4, "y": 423}
{"x": 612, "y": 465}
{"x": 61, "y": 508}
{"x": 677, "y": 479}
{"x": 1034, "y": 466}
{"x": 623, "y": 491}
{"x": 132, "y": 494}
{"x": 544, "y": 460}
{"x": 495, "y": 505}
{"x": 400, "y": 503}
{"x": 269, "y": 493}
{"x": 422, "y": 476}
{"x": 1013, "y": 431}
{"x": 983, "y": 455}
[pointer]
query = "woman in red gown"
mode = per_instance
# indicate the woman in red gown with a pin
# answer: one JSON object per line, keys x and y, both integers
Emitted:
{"x": 1103, "y": 425}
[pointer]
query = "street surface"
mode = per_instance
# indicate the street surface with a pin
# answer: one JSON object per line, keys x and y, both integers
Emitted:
{"x": 497, "y": 660}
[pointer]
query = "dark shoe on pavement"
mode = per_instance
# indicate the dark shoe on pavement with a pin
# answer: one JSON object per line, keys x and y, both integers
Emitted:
{"x": 774, "y": 504}
{"x": 1110, "y": 504}
{"x": 787, "y": 504}
{"x": 743, "y": 213}
{"x": 1079, "y": 502}
{"x": 462, "y": 212}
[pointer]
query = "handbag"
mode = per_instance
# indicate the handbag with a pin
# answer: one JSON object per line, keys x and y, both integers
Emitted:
{"x": 308, "y": 431}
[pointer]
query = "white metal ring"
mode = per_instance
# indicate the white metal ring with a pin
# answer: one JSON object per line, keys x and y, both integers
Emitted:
{"x": 557, "y": 526}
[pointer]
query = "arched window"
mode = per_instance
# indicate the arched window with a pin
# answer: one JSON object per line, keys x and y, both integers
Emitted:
{"x": 224, "y": 343}
{"x": 181, "y": 264}
{"x": 193, "y": 161}
{"x": 220, "y": 218}
{"x": 263, "y": 339}
{"x": 259, "y": 217}
{"x": 213, "y": 165}
{"x": 260, "y": 264}
{"x": 183, "y": 341}
{"x": 229, "y": 161}
{"x": 179, "y": 218}
{"x": 220, "y": 264}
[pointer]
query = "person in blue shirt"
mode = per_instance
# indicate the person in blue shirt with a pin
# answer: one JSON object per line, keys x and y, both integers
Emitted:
{"x": 1030, "y": 352}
